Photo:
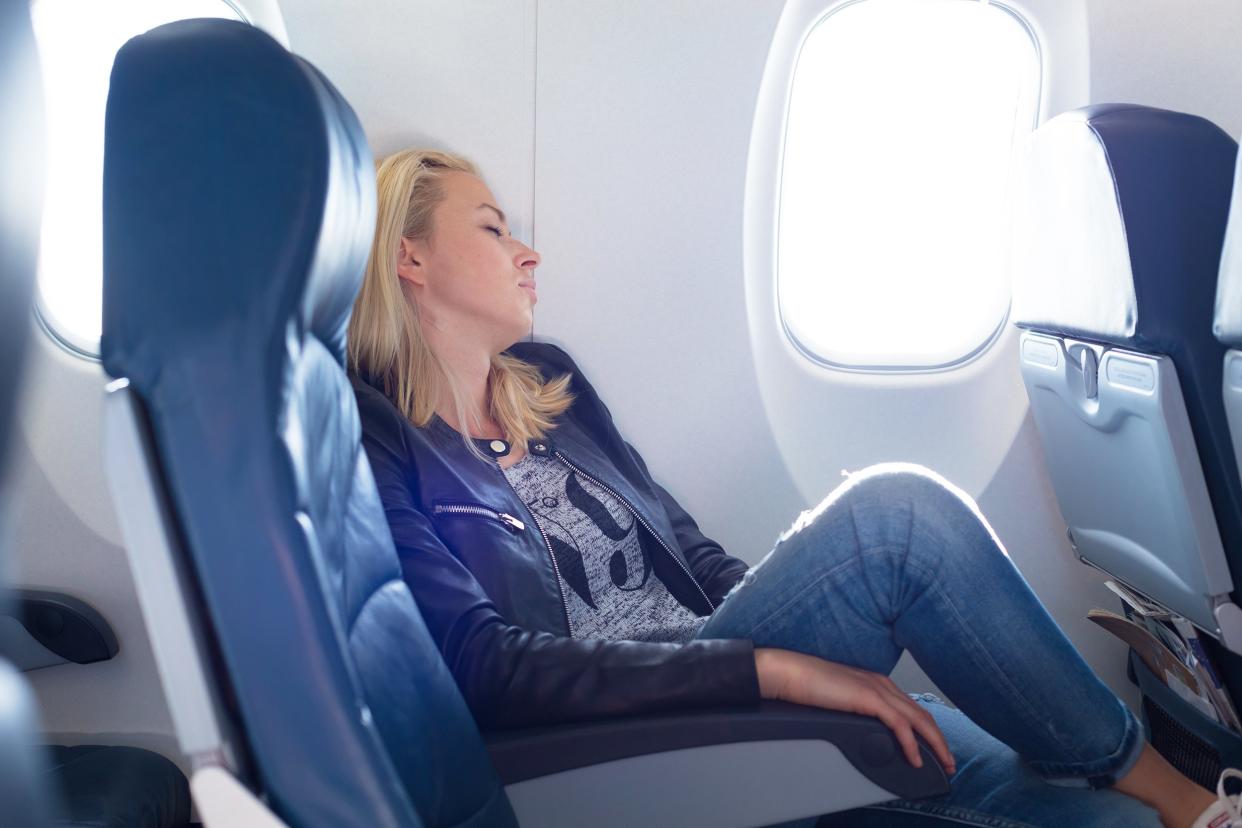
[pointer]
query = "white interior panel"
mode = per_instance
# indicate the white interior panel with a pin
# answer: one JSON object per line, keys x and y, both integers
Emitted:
{"x": 1174, "y": 55}
{"x": 449, "y": 76}
{"x": 641, "y": 153}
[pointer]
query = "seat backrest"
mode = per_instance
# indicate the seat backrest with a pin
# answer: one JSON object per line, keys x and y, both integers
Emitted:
{"x": 238, "y": 212}
{"x": 1117, "y": 244}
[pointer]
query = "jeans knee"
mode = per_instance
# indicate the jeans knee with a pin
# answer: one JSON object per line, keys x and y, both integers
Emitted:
{"x": 881, "y": 502}
{"x": 874, "y": 507}
{"x": 899, "y": 482}
{"x": 941, "y": 508}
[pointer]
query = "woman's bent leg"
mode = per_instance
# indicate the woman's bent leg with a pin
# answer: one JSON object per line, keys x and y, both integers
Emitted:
{"x": 897, "y": 558}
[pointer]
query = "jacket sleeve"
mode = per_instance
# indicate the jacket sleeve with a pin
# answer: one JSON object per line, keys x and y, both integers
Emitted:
{"x": 514, "y": 677}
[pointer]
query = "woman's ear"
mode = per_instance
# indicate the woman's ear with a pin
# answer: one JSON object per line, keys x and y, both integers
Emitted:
{"x": 409, "y": 262}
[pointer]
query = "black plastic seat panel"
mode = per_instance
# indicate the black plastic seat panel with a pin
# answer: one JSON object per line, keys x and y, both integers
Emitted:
{"x": 117, "y": 787}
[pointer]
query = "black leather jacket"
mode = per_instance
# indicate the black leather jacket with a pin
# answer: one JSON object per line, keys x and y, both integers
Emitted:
{"x": 485, "y": 581}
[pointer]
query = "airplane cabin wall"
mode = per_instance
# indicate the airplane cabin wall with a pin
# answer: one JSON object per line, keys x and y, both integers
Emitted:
{"x": 447, "y": 76}
{"x": 1181, "y": 56}
{"x": 617, "y": 138}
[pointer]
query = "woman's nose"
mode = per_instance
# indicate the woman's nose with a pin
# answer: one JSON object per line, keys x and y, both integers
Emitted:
{"x": 528, "y": 258}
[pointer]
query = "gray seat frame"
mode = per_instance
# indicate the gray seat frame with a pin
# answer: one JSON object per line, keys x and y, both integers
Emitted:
{"x": 1123, "y": 461}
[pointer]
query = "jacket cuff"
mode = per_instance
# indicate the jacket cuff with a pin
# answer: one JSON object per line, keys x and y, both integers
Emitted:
{"x": 736, "y": 681}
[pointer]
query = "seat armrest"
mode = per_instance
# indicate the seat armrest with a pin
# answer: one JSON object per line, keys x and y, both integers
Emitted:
{"x": 529, "y": 753}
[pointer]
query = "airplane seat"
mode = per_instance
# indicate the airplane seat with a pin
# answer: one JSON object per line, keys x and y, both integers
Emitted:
{"x": 1117, "y": 242}
{"x": 238, "y": 214}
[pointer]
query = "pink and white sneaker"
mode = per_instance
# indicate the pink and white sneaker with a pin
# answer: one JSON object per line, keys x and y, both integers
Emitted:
{"x": 1223, "y": 813}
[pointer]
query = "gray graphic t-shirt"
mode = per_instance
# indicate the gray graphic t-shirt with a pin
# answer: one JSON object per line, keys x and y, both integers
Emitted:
{"x": 606, "y": 573}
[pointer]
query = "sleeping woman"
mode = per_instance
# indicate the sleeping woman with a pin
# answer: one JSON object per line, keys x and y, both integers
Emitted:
{"x": 561, "y": 581}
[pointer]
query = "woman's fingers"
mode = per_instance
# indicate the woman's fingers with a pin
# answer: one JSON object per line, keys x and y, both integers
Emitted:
{"x": 815, "y": 681}
{"x": 925, "y": 724}
{"x": 915, "y": 720}
{"x": 900, "y": 726}
{"x": 930, "y": 732}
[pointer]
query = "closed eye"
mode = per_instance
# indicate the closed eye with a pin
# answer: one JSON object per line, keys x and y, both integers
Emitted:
{"x": 497, "y": 230}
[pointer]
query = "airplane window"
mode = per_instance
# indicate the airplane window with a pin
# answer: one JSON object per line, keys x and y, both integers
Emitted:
{"x": 77, "y": 41}
{"x": 903, "y": 118}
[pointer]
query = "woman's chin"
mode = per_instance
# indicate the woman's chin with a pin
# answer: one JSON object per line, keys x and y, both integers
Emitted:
{"x": 517, "y": 333}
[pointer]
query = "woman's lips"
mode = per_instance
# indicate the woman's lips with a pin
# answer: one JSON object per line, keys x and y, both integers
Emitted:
{"x": 529, "y": 287}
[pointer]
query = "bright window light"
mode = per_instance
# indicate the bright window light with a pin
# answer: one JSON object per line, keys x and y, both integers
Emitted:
{"x": 78, "y": 40}
{"x": 904, "y": 117}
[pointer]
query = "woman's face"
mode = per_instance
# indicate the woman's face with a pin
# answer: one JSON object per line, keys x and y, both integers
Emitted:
{"x": 471, "y": 279}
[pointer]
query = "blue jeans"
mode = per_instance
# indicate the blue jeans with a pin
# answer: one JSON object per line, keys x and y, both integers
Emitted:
{"x": 897, "y": 558}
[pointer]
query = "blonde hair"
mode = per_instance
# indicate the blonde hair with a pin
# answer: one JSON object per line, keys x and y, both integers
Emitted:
{"x": 386, "y": 342}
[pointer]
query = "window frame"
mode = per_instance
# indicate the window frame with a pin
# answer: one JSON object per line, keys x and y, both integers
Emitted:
{"x": 804, "y": 350}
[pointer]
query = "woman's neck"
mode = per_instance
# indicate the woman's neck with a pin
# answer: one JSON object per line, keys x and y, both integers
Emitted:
{"x": 470, "y": 367}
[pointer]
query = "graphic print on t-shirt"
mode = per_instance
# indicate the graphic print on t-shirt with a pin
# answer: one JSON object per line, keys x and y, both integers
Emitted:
{"x": 604, "y": 563}
{"x": 627, "y": 562}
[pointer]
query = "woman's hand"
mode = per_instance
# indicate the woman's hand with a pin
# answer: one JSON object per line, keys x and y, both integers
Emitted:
{"x": 804, "y": 679}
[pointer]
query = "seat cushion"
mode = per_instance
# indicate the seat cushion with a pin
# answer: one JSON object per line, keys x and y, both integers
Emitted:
{"x": 123, "y": 787}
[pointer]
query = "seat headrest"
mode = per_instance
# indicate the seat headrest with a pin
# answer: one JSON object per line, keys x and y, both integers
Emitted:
{"x": 1228, "y": 324}
{"x": 1118, "y": 225}
{"x": 238, "y": 185}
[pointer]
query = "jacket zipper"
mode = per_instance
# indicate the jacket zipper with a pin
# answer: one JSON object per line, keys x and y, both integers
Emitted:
{"x": 508, "y": 521}
{"x": 547, "y": 545}
{"x": 557, "y": 454}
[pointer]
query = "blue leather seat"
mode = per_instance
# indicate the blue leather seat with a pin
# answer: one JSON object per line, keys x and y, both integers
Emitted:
{"x": 239, "y": 207}
{"x": 1117, "y": 249}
